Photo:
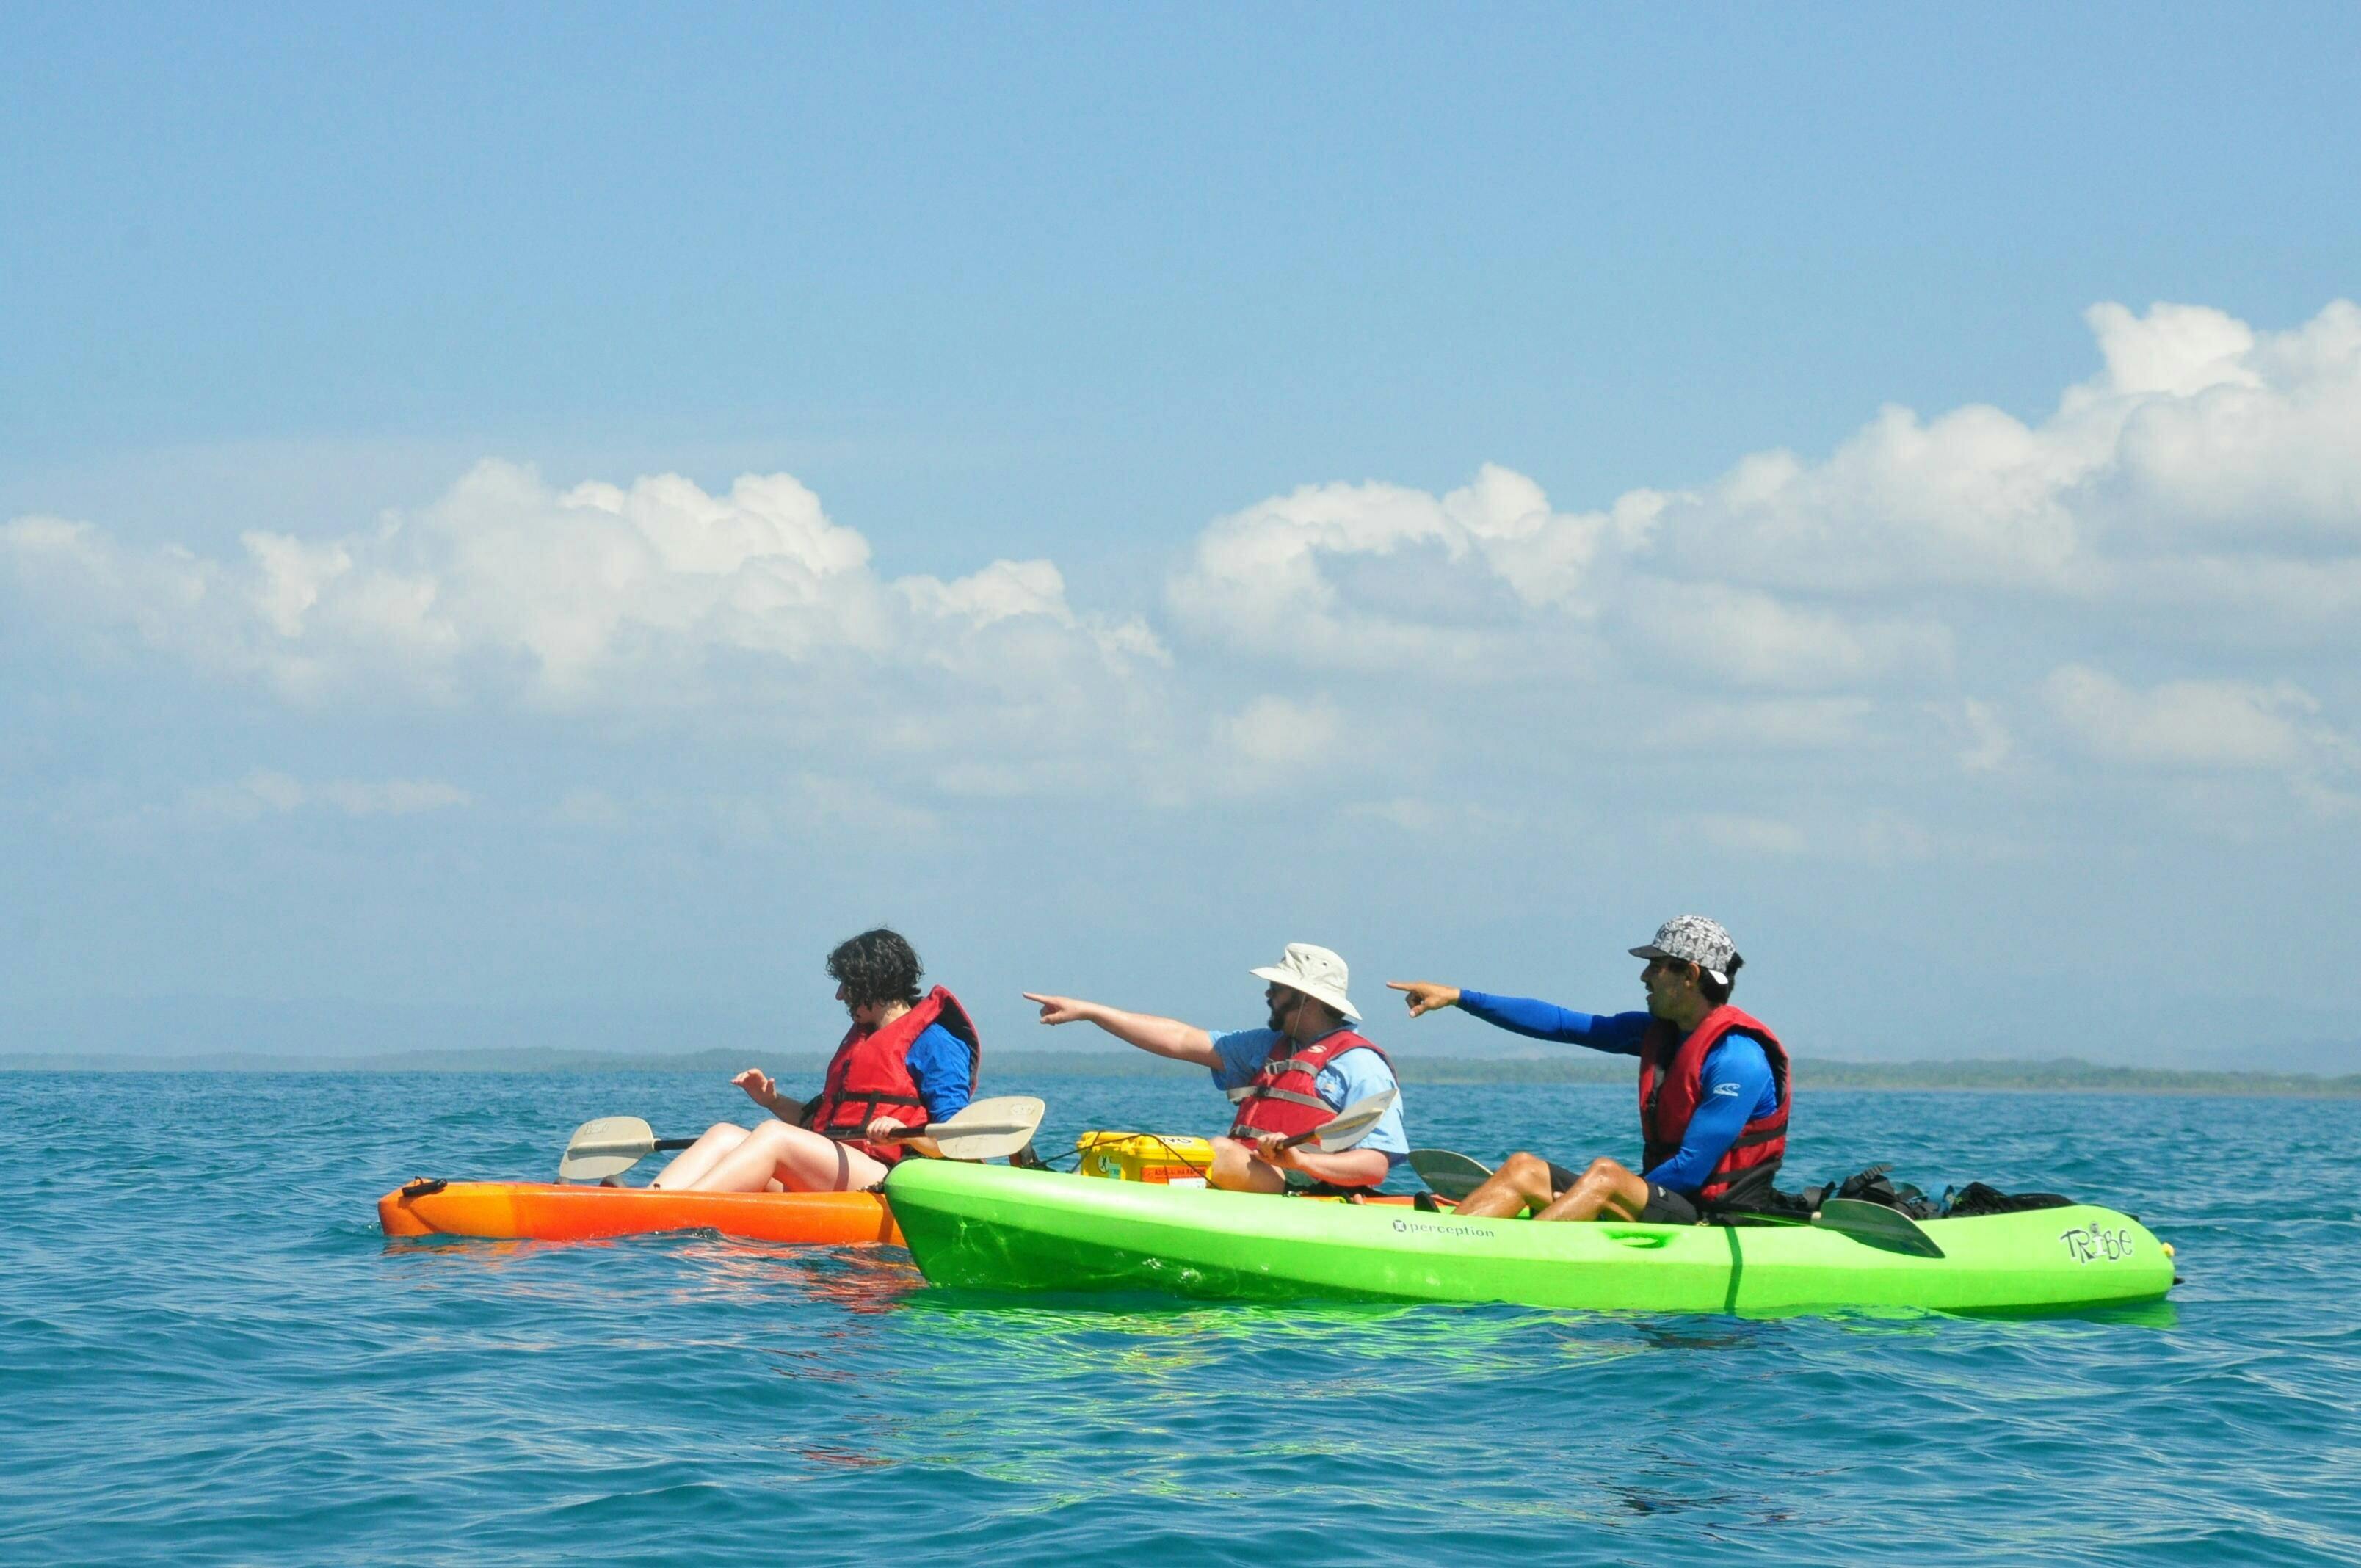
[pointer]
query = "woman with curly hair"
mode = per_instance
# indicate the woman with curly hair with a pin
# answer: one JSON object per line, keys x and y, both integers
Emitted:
{"x": 907, "y": 1060}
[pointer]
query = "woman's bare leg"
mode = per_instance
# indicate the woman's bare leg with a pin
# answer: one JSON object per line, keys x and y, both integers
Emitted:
{"x": 800, "y": 1160}
{"x": 700, "y": 1156}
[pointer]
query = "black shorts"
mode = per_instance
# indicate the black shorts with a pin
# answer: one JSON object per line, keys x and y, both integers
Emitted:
{"x": 1664, "y": 1206}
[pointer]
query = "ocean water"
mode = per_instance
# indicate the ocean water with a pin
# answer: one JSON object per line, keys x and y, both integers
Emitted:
{"x": 209, "y": 1354}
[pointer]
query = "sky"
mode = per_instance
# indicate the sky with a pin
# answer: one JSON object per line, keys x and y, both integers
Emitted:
{"x": 525, "y": 526}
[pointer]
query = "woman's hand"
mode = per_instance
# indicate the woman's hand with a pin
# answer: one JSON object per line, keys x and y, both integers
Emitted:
{"x": 883, "y": 1129}
{"x": 1424, "y": 995}
{"x": 758, "y": 1086}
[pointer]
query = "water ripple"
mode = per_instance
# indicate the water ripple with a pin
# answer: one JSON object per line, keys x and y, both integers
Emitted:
{"x": 212, "y": 1355}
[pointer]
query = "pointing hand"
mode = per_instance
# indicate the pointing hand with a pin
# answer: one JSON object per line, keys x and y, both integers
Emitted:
{"x": 1059, "y": 1009}
{"x": 1424, "y": 995}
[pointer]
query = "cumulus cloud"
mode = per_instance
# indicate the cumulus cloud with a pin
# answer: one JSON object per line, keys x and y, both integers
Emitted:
{"x": 1376, "y": 576}
{"x": 599, "y": 594}
{"x": 2205, "y": 725}
{"x": 2206, "y": 465}
{"x": 1936, "y": 589}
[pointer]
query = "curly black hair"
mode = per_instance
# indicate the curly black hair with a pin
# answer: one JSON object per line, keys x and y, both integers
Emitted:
{"x": 876, "y": 966}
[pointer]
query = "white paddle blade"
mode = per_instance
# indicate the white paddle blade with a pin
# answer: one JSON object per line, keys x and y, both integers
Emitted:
{"x": 987, "y": 1129}
{"x": 1354, "y": 1123}
{"x": 608, "y": 1147}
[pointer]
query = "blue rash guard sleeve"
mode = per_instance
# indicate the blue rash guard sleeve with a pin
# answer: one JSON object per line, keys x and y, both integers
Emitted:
{"x": 939, "y": 1061}
{"x": 1734, "y": 1087}
{"x": 1618, "y": 1034}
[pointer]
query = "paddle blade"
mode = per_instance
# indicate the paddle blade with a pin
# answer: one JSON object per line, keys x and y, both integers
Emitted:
{"x": 1447, "y": 1173}
{"x": 608, "y": 1147}
{"x": 987, "y": 1129}
{"x": 1874, "y": 1224}
{"x": 1352, "y": 1123}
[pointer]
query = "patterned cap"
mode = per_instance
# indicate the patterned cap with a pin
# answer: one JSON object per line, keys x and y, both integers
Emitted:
{"x": 1693, "y": 939}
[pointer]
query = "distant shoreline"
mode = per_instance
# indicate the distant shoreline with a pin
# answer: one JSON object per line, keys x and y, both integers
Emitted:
{"x": 2061, "y": 1075}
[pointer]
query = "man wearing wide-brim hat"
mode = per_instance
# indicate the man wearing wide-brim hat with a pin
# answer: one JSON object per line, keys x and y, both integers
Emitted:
{"x": 1290, "y": 1077}
{"x": 1713, "y": 1090}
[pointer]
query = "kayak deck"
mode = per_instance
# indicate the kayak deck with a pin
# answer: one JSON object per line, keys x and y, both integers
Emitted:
{"x": 1001, "y": 1229}
{"x": 536, "y": 1211}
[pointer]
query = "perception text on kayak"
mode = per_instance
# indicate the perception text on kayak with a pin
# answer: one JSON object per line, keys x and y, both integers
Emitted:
{"x": 1437, "y": 1228}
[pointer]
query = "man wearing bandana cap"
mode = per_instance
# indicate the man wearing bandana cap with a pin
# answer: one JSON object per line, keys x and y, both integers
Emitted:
{"x": 1713, "y": 1090}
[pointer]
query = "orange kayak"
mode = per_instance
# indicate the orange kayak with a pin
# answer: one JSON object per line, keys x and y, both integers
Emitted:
{"x": 543, "y": 1210}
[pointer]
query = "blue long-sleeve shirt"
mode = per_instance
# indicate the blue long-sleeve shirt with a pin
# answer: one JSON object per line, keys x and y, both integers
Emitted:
{"x": 1734, "y": 1086}
{"x": 938, "y": 1063}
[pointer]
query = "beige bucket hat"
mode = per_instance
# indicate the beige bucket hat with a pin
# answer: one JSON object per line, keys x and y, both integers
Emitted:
{"x": 1316, "y": 972}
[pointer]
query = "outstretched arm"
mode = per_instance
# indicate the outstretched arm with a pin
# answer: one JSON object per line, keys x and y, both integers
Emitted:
{"x": 1163, "y": 1036}
{"x": 1618, "y": 1034}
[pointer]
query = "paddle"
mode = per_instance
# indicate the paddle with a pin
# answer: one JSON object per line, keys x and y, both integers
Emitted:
{"x": 984, "y": 1129}
{"x": 1447, "y": 1173}
{"x": 1871, "y": 1224}
{"x": 1348, "y": 1126}
{"x": 1451, "y": 1175}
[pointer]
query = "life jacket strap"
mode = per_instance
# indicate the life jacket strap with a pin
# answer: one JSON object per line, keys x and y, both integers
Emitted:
{"x": 1240, "y": 1096}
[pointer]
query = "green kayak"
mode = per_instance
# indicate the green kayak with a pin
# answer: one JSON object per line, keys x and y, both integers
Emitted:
{"x": 997, "y": 1228}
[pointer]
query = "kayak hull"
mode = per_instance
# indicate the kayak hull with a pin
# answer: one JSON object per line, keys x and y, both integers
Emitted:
{"x": 1000, "y": 1229}
{"x": 536, "y": 1211}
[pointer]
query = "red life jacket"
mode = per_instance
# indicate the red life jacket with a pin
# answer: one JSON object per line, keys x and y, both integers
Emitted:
{"x": 1669, "y": 1091}
{"x": 869, "y": 1077}
{"x": 1285, "y": 1094}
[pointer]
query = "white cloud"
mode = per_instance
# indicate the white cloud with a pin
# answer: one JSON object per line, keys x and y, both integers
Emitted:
{"x": 2203, "y": 725}
{"x": 2197, "y": 501}
{"x": 1749, "y": 835}
{"x": 1377, "y": 577}
{"x": 598, "y": 596}
{"x": 1272, "y": 741}
{"x": 266, "y": 792}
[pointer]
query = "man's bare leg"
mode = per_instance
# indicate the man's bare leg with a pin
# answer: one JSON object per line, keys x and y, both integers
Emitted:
{"x": 1606, "y": 1188}
{"x": 1523, "y": 1182}
{"x": 1237, "y": 1169}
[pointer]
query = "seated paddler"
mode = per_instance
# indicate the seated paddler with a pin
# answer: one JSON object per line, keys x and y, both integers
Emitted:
{"x": 1293, "y": 1075}
{"x": 1714, "y": 1091}
{"x": 906, "y": 1061}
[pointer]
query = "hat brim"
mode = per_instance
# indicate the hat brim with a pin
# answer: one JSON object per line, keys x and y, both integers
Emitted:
{"x": 1335, "y": 998}
{"x": 1653, "y": 951}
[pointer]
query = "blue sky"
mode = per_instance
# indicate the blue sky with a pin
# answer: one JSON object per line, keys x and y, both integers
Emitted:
{"x": 1460, "y": 485}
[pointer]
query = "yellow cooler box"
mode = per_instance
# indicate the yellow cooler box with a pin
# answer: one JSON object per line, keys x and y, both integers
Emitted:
{"x": 1146, "y": 1156}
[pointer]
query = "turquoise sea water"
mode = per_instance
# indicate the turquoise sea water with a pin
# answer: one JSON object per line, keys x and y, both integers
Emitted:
{"x": 209, "y": 1354}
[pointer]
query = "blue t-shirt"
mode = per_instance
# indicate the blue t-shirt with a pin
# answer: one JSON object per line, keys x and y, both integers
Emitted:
{"x": 1353, "y": 1077}
{"x": 1734, "y": 1085}
{"x": 939, "y": 1061}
